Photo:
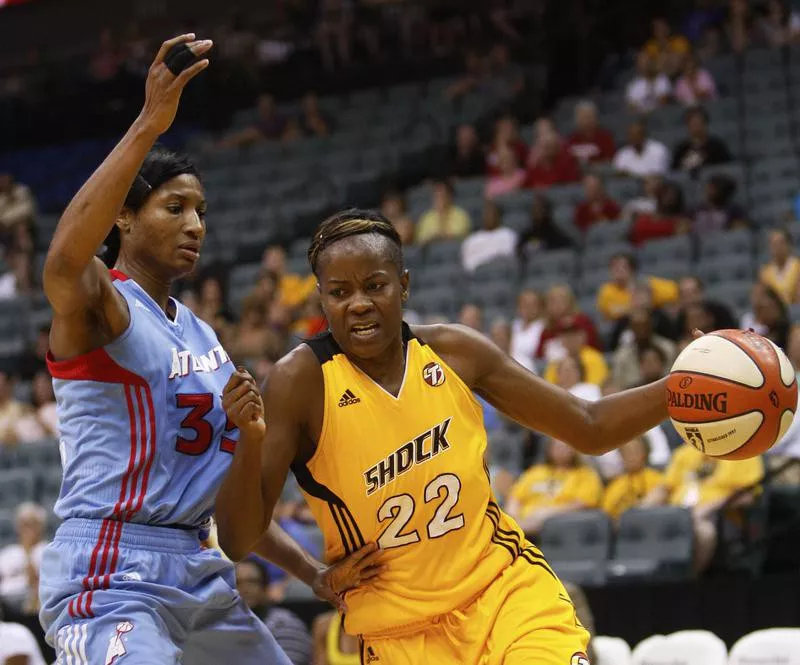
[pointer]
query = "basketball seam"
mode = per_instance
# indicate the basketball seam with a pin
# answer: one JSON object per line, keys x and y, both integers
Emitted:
{"x": 691, "y": 372}
{"x": 722, "y": 420}
{"x": 749, "y": 355}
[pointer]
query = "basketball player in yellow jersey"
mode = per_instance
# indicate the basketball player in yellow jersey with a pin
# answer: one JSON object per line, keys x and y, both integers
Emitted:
{"x": 379, "y": 424}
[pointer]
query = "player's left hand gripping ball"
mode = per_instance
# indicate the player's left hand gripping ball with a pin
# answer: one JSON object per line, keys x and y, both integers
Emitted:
{"x": 242, "y": 402}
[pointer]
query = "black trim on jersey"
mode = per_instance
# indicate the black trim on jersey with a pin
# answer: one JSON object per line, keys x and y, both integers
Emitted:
{"x": 351, "y": 536}
{"x": 325, "y": 347}
{"x": 361, "y": 650}
{"x": 510, "y": 540}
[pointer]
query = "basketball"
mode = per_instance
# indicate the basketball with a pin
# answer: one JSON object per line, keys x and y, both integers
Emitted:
{"x": 732, "y": 394}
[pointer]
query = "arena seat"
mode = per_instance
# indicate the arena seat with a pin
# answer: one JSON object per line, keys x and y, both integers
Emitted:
{"x": 767, "y": 647}
{"x": 560, "y": 263}
{"x": 577, "y": 545}
{"x": 611, "y": 650}
{"x": 606, "y": 233}
{"x": 7, "y": 530}
{"x": 653, "y": 543}
{"x": 16, "y": 485}
{"x": 726, "y": 244}
{"x": 687, "y": 647}
{"x": 723, "y": 269}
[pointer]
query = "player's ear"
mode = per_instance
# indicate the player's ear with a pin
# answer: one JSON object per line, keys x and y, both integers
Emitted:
{"x": 125, "y": 220}
{"x": 405, "y": 280}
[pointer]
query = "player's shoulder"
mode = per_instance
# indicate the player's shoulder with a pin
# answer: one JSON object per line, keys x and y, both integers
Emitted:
{"x": 450, "y": 337}
{"x": 295, "y": 372}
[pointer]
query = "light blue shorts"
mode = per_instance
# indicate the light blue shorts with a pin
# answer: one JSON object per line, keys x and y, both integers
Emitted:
{"x": 144, "y": 595}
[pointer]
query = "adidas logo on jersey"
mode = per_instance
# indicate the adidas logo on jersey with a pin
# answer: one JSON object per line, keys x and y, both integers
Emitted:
{"x": 349, "y": 398}
{"x": 371, "y": 657}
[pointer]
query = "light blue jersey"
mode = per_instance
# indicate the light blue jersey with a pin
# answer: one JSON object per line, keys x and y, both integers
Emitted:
{"x": 145, "y": 445}
{"x": 143, "y": 431}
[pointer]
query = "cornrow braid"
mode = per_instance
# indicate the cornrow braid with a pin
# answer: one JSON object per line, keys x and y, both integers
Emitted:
{"x": 350, "y": 223}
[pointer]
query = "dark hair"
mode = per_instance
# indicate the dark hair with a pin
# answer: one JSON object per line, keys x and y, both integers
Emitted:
{"x": 724, "y": 188}
{"x": 444, "y": 182}
{"x": 786, "y": 234}
{"x": 696, "y": 110}
{"x": 259, "y": 565}
{"x": 670, "y": 199}
{"x": 160, "y": 165}
{"x": 350, "y": 223}
{"x": 630, "y": 258}
{"x": 655, "y": 349}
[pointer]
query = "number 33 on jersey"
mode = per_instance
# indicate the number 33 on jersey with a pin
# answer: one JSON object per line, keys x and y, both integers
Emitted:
{"x": 408, "y": 472}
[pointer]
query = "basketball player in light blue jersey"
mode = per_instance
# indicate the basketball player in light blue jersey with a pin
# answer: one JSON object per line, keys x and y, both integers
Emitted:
{"x": 145, "y": 440}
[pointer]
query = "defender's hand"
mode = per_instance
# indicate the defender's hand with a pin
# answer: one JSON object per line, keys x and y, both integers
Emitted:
{"x": 359, "y": 568}
{"x": 163, "y": 89}
{"x": 241, "y": 400}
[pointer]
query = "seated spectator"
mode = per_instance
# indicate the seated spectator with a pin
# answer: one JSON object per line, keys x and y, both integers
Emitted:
{"x": 556, "y": 166}
{"x": 508, "y": 78}
{"x": 782, "y": 272}
{"x": 641, "y": 156}
{"x": 542, "y": 234}
{"x": 471, "y": 316}
{"x": 561, "y": 307}
{"x": 18, "y": 646}
{"x": 445, "y": 219}
{"x": 509, "y": 176}
{"x": 19, "y": 280}
{"x": 780, "y": 25}
{"x": 252, "y": 337}
{"x": 597, "y": 205}
{"x": 20, "y": 562}
{"x": 662, "y": 323}
{"x": 527, "y": 328}
{"x": 630, "y": 489}
{"x": 647, "y": 203}
{"x": 270, "y": 125}
{"x": 749, "y": 319}
{"x": 573, "y": 339}
{"x": 491, "y": 243}
{"x": 212, "y": 306}
{"x": 700, "y": 148}
{"x": 476, "y": 78}
{"x": 332, "y": 646}
{"x": 468, "y": 159}
{"x": 626, "y": 367}
{"x": 691, "y": 291}
{"x": 653, "y": 364}
{"x": 614, "y": 298}
{"x": 506, "y": 135}
{"x": 590, "y": 143}
{"x": 543, "y": 129}
{"x": 703, "y": 484}
{"x": 571, "y": 376}
{"x": 41, "y": 420}
{"x": 741, "y": 28}
{"x": 670, "y": 217}
{"x": 34, "y": 358}
{"x": 771, "y": 315}
{"x": 313, "y": 121}
{"x": 562, "y": 484}
{"x": 293, "y": 289}
{"x": 649, "y": 89}
{"x": 17, "y": 205}
{"x": 17, "y": 420}
{"x": 718, "y": 212}
{"x": 289, "y": 631}
{"x": 696, "y": 85}
{"x": 667, "y": 50}
{"x": 393, "y": 207}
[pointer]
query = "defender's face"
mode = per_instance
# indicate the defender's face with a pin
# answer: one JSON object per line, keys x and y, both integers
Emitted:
{"x": 362, "y": 294}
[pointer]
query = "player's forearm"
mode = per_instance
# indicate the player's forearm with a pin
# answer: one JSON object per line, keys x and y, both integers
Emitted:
{"x": 93, "y": 211}
{"x": 618, "y": 418}
{"x": 278, "y": 547}
{"x": 240, "y": 511}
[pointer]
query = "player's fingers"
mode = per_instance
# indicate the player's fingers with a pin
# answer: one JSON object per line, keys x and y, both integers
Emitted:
{"x": 167, "y": 45}
{"x": 188, "y": 74}
{"x": 369, "y": 560}
{"x": 371, "y": 572}
{"x": 231, "y": 395}
{"x": 697, "y": 333}
{"x": 200, "y": 46}
{"x": 363, "y": 552}
{"x": 243, "y": 405}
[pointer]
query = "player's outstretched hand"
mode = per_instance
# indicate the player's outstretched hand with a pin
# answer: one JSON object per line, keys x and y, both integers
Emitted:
{"x": 241, "y": 400}
{"x": 352, "y": 571}
{"x": 163, "y": 88}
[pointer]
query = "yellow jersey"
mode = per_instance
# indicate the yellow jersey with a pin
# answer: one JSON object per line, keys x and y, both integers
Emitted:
{"x": 544, "y": 485}
{"x": 628, "y": 490}
{"x": 407, "y": 472}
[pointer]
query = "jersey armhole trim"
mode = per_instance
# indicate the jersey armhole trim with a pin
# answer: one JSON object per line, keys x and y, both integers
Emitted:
{"x": 96, "y": 365}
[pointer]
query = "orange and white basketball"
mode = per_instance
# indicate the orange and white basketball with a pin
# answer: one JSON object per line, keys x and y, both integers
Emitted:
{"x": 732, "y": 394}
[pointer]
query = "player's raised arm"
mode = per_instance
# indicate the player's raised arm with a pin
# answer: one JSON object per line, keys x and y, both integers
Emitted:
{"x": 590, "y": 427}
{"x": 261, "y": 461}
{"x": 72, "y": 276}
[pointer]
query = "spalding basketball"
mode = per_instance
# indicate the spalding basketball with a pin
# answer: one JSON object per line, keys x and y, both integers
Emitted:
{"x": 732, "y": 394}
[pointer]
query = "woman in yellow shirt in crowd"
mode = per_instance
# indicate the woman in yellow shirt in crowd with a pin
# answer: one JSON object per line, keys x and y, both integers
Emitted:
{"x": 703, "y": 485}
{"x": 614, "y": 299}
{"x": 445, "y": 219}
{"x": 631, "y": 488}
{"x": 782, "y": 272}
{"x": 561, "y": 485}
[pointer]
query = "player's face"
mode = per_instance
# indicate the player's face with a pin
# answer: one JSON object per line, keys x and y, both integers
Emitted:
{"x": 168, "y": 232}
{"x": 362, "y": 293}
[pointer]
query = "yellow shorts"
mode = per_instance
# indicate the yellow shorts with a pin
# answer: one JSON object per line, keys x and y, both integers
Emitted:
{"x": 524, "y": 617}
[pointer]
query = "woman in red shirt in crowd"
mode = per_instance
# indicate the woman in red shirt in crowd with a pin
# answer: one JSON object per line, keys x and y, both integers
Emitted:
{"x": 669, "y": 218}
{"x": 560, "y": 306}
{"x": 556, "y": 165}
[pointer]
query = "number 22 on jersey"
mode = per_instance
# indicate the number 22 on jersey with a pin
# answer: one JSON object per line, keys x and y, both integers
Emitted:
{"x": 401, "y": 507}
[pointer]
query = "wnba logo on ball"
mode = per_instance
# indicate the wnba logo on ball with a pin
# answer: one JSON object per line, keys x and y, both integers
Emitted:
{"x": 701, "y": 401}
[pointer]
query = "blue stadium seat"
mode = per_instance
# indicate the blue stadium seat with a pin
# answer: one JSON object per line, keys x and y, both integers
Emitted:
{"x": 8, "y": 533}
{"x": 559, "y": 264}
{"x": 443, "y": 251}
{"x": 16, "y": 485}
{"x": 578, "y": 545}
{"x": 729, "y": 244}
{"x": 726, "y": 269}
{"x": 597, "y": 258}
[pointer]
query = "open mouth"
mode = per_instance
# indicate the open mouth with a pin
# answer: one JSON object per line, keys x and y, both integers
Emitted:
{"x": 364, "y": 329}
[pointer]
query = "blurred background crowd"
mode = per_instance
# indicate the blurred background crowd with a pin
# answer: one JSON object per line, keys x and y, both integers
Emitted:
{"x": 584, "y": 182}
